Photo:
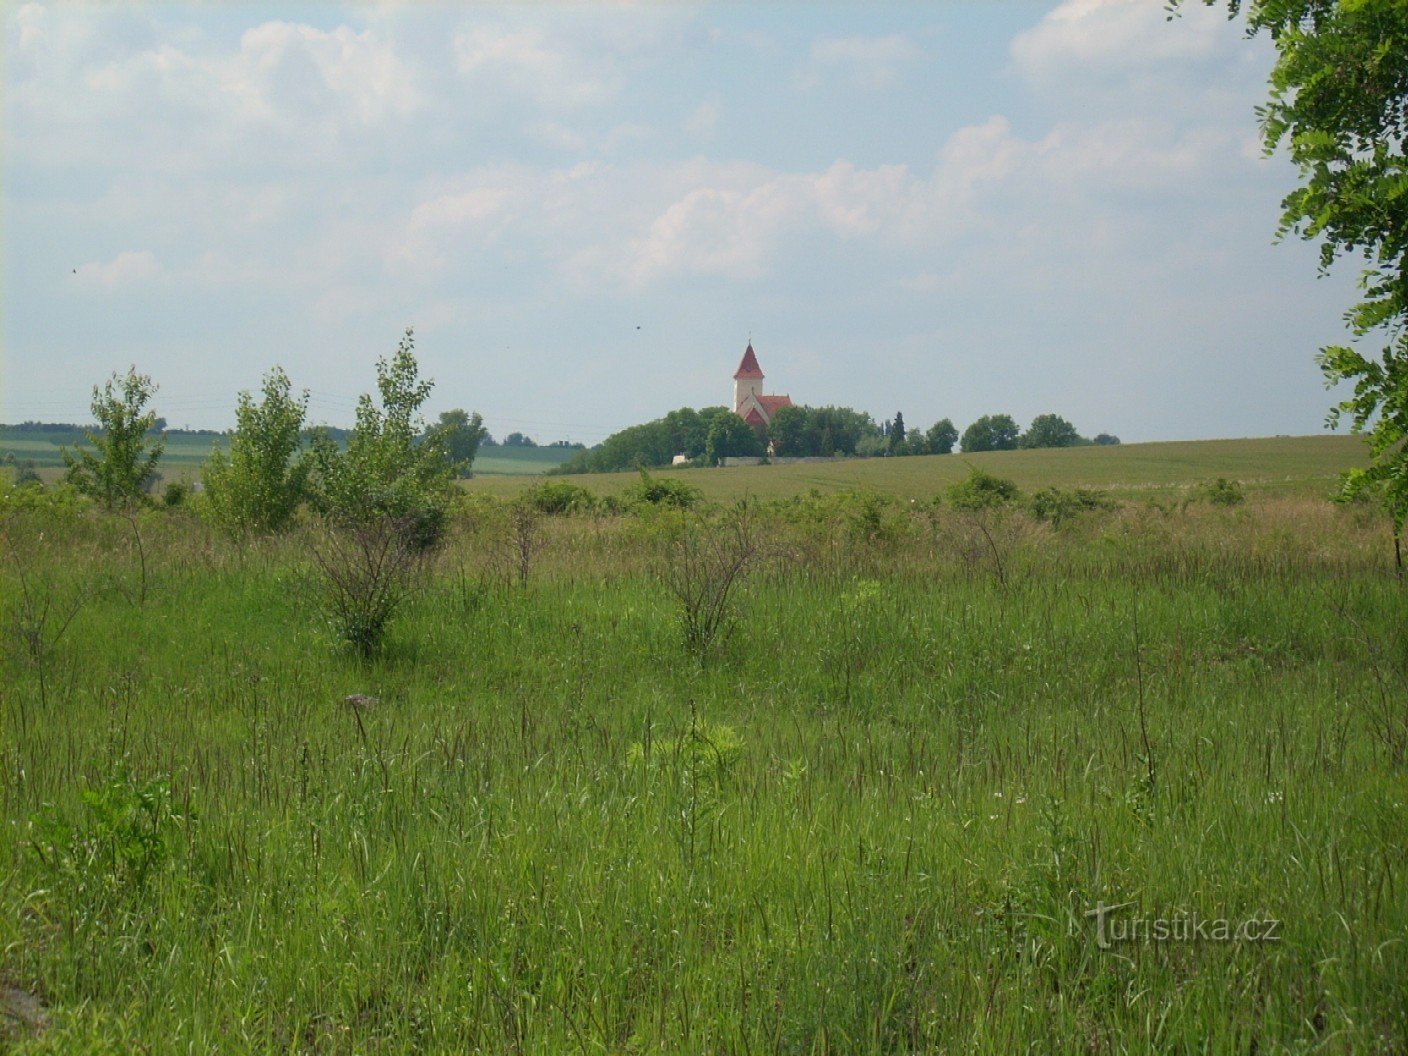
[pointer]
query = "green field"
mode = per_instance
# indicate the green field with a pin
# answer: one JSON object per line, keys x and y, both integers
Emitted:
{"x": 873, "y": 817}
{"x": 1277, "y": 462}
{"x": 186, "y": 453}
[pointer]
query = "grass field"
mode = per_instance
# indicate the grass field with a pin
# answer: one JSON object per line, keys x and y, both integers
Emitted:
{"x": 874, "y": 818}
{"x": 1296, "y": 462}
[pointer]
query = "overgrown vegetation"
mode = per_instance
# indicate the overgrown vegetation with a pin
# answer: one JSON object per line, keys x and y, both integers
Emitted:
{"x": 875, "y": 819}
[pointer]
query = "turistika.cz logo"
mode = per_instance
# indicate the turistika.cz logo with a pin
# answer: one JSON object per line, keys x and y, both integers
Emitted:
{"x": 1115, "y": 926}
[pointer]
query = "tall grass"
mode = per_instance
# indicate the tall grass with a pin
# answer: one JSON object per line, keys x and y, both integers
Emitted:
{"x": 874, "y": 822}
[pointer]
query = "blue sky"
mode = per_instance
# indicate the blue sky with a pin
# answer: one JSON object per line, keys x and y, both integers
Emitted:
{"x": 585, "y": 211}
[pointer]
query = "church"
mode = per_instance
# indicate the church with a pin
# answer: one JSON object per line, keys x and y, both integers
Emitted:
{"x": 749, "y": 403}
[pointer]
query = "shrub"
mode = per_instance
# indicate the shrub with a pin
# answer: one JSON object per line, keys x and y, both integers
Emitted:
{"x": 981, "y": 491}
{"x": 368, "y": 569}
{"x": 1058, "y": 507}
{"x": 663, "y": 491}
{"x": 702, "y": 563}
{"x": 556, "y": 497}
{"x": 175, "y": 493}
{"x": 1224, "y": 492}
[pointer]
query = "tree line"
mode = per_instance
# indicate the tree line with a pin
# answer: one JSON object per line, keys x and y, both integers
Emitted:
{"x": 705, "y": 437}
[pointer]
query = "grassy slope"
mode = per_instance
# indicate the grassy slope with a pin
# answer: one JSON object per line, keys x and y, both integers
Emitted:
{"x": 1300, "y": 461}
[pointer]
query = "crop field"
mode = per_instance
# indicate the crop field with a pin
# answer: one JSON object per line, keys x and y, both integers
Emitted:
{"x": 183, "y": 457}
{"x": 186, "y": 452}
{"x": 1278, "y": 463}
{"x": 941, "y": 781}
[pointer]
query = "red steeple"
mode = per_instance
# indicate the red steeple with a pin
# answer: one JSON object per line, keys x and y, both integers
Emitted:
{"x": 749, "y": 367}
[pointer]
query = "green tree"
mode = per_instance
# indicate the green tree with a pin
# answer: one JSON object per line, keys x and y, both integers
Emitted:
{"x": 122, "y": 464}
{"x": 388, "y": 470}
{"x": 258, "y": 486}
{"x": 460, "y": 434}
{"x": 942, "y": 436}
{"x": 1339, "y": 103}
{"x": 1105, "y": 440}
{"x": 731, "y": 437}
{"x": 897, "y": 434}
{"x": 791, "y": 431}
{"x": 1049, "y": 430}
{"x": 991, "y": 432}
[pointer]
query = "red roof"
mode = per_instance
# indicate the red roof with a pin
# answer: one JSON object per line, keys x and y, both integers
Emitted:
{"x": 749, "y": 367}
{"x": 773, "y": 404}
{"x": 753, "y": 417}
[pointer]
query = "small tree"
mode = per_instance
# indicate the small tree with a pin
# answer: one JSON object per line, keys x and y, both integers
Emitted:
{"x": 258, "y": 486}
{"x": 122, "y": 464}
{"x": 388, "y": 470}
{"x": 1049, "y": 430}
{"x": 942, "y": 436}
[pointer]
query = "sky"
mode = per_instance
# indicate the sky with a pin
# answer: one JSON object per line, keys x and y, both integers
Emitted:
{"x": 587, "y": 211}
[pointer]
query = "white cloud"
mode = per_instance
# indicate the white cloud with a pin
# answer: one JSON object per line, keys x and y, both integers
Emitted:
{"x": 1081, "y": 37}
{"x": 869, "y": 62}
{"x": 128, "y": 267}
{"x": 283, "y": 64}
{"x": 128, "y": 100}
{"x": 528, "y": 62}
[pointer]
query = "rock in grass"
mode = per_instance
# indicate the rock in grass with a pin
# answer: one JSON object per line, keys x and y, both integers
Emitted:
{"x": 360, "y": 701}
{"x": 21, "y": 1013}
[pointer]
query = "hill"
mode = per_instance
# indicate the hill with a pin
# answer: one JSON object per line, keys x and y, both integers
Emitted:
{"x": 1293, "y": 462}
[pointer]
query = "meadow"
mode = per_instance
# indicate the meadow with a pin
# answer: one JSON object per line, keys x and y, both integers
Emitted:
{"x": 874, "y": 816}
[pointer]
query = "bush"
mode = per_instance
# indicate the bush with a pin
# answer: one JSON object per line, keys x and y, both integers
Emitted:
{"x": 982, "y": 491}
{"x": 663, "y": 491}
{"x": 175, "y": 493}
{"x": 701, "y": 565}
{"x": 368, "y": 569}
{"x": 1058, "y": 507}
{"x": 554, "y": 497}
{"x": 1224, "y": 492}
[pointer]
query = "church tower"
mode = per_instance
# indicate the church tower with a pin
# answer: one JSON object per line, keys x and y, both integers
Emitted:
{"x": 749, "y": 402}
{"x": 747, "y": 382}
